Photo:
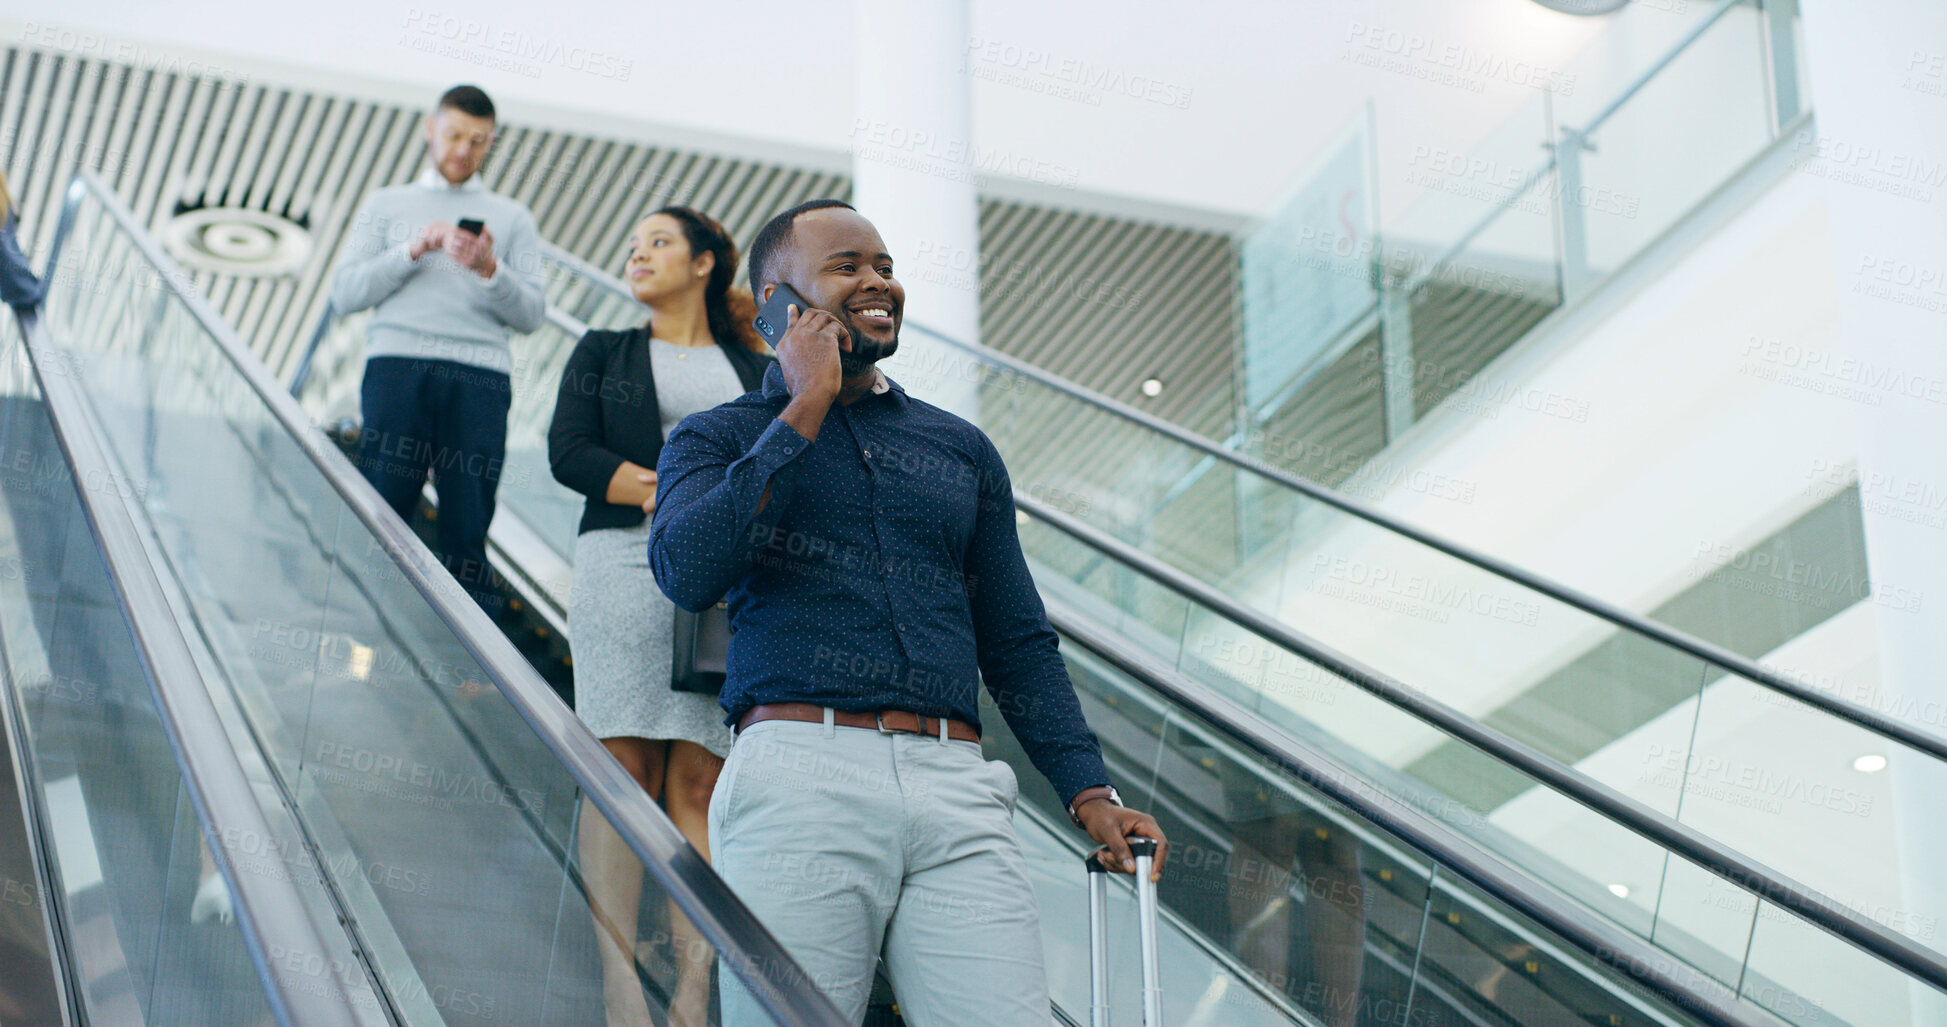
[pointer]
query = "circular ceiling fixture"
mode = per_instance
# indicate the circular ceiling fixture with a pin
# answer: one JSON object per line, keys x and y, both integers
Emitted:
{"x": 1584, "y": 8}
{"x": 234, "y": 241}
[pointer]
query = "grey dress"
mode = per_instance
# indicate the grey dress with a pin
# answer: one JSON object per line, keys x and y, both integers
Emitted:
{"x": 618, "y": 618}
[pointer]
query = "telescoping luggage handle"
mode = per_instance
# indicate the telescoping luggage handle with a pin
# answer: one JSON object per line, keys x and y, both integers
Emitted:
{"x": 1144, "y": 849}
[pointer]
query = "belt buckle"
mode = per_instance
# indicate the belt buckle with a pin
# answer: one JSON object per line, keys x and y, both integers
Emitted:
{"x": 879, "y": 721}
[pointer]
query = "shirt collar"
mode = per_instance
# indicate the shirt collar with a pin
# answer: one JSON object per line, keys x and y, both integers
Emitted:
{"x": 432, "y": 179}
{"x": 774, "y": 384}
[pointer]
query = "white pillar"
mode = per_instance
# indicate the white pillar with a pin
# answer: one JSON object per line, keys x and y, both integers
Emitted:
{"x": 913, "y": 176}
{"x": 1878, "y": 76}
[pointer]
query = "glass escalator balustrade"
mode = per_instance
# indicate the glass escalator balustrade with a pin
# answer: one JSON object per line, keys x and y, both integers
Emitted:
{"x": 480, "y": 885}
{"x": 1698, "y": 918}
{"x": 124, "y": 858}
{"x": 1281, "y": 904}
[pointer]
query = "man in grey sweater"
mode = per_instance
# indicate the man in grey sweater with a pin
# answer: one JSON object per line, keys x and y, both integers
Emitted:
{"x": 437, "y": 361}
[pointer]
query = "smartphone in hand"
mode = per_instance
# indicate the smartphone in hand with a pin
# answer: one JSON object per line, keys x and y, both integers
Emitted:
{"x": 771, "y": 321}
{"x": 471, "y": 226}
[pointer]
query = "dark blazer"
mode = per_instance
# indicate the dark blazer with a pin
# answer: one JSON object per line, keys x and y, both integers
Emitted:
{"x": 605, "y": 412}
{"x": 18, "y": 286}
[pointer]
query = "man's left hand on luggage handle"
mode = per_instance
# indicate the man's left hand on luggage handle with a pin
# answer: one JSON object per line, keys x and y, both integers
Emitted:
{"x": 1112, "y": 825}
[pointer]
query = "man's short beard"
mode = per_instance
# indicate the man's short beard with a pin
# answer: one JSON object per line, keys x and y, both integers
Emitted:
{"x": 865, "y": 354}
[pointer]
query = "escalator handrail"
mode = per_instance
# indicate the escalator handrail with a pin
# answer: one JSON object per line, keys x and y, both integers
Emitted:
{"x": 303, "y": 372}
{"x": 1709, "y": 652}
{"x": 583, "y": 269}
{"x": 775, "y": 980}
{"x": 1677, "y": 837}
{"x": 1689, "y": 988}
{"x": 271, "y": 914}
{"x": 1853, "y": 713}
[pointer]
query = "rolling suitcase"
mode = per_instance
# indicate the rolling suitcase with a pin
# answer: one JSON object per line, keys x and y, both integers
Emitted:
{"x": 1144, "y": 850}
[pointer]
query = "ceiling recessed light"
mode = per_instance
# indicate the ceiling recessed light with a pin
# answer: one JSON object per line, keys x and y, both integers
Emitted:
{"x": 1620, "y": 891}
{"x": 1152, "y": 386}
{"x": 1871, "y": 763}
{"x": 236, "y": 241}
{"x": 1583, "y": 8}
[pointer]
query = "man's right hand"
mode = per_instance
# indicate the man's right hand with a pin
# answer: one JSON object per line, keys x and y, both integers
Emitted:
{"x": 809, "y": 352}
{"x": 808, "y": 356}
{"x": 432, "y": 237}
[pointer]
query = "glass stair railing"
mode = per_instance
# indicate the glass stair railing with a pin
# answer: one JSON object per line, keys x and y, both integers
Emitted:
{"x": 1585, "y": 177}
{"x": 1773, "y": 941}
{"x": 1311, "y": 905}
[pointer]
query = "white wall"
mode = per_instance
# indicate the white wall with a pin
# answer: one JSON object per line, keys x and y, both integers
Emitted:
{"x": 1618, "y": 461}
{"x": 1634, "y": 448}
{"x": 1882, "y": 95}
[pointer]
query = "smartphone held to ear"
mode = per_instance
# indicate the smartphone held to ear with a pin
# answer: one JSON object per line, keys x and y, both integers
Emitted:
{"x": 775, "y": 316}
{"x": 471, "y": 226}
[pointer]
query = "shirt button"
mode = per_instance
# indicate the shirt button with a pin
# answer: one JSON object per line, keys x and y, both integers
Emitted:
{"x": 901, "y": 628}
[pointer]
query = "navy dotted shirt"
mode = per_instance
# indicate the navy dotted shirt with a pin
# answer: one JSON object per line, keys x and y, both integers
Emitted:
{"x": 883, "y": 574}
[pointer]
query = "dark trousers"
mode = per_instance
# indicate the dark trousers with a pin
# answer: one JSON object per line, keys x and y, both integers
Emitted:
{"x": 449, "y": 419}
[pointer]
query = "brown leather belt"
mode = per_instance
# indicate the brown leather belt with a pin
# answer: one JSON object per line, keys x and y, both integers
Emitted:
{"x": 883, "y": 721}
